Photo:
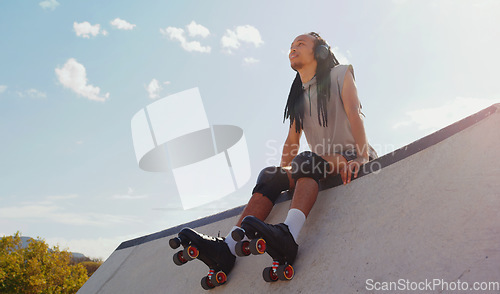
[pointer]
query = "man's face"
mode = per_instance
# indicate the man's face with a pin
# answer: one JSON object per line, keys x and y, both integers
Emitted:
{"x": 302, "y": 52}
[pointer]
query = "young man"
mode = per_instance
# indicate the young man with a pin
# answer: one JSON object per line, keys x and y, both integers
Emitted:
{"x": 322, "y": 103}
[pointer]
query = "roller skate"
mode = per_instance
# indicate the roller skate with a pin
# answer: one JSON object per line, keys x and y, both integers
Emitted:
{"x": 212, "y": 251}
{"x": 276, "y": 240}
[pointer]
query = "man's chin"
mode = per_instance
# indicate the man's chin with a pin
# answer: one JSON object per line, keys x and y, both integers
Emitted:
{"x": 296, "y": 66}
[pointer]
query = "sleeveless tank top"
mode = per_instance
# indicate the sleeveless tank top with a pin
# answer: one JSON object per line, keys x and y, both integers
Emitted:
{"x": 337, "y": 136}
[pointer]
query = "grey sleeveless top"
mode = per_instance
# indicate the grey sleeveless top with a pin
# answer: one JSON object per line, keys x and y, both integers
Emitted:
{"x": 337, "y": 136}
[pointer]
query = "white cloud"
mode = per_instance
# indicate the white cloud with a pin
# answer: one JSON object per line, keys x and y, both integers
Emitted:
{"x": 49, "y": 4}
{"x": 246, "y": 33}
{"x": 130, "y": 196}
{"x": 401, "y": 124}
{"x": 122, "y": 24}
{"x": 230, "y": 40}
{"x": 434, "y": 118}
{"x": 85, "y": 29}
{"x": 73, "y": 75}
{"x": 3, "y": 88}
{"x": 28, "y": 211}
{"x": 195, "y": 29}
{"x": 154, "y": 89}
{"x": 62, "y": 197}
{"x": 177, "y": 34}
{"x": 33, "y": 93}
{"x": 174, "y": 33}
{"x": 93, "y": 248}
{"x": 249, "y": 34}
{"x": 341, "y": 57}
{"x": 53, "y": 210}
{"x": 250, "y": 60}
{"x": 196, "y": 46}
{"x": 54, "y": 213}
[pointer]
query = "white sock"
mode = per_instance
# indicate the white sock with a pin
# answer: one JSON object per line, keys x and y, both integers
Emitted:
{"x": 295, "y": 221}
{"x": 230, "y": 242}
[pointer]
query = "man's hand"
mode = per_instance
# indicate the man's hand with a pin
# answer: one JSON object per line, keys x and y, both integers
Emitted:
{"x": 337, "y": 165}
{"x": 347, "y": 169}
{"x": 351, "y": 169}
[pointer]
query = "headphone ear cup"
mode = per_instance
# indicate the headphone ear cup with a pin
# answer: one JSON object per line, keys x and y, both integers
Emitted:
{"x": 321, "y": 52}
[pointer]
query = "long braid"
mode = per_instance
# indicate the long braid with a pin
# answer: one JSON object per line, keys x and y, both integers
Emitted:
{"x": 323, "y": 81}
{"x": 294, "y": 106}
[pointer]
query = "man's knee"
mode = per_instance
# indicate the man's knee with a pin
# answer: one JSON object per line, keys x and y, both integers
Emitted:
{"x": 271, "y": 182}
{"x": 309, "y": 165}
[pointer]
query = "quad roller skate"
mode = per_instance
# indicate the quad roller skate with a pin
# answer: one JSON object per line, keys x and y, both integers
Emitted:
{"x": 212, "y": 251}
{"x": 276, "y": 240}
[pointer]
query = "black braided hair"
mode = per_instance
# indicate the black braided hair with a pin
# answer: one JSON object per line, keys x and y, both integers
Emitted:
{"x": 294, "y": 108}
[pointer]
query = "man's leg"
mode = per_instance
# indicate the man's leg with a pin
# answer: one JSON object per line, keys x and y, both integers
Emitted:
{"x": 270, "y": 183}
{"x": 306, "y": 193}
{"x": 281, "y": 238}
{"x": 307, "y": 169}
{"x": 260, "y": 206}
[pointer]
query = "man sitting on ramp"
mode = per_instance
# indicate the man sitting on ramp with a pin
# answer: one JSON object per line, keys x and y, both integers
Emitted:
{"x": 323, "y": 103}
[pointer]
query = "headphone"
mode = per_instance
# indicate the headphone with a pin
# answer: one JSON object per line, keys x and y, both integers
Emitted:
{"x": 322, "y": 52}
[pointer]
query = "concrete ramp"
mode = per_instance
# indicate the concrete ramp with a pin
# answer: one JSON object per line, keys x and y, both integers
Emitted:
{"x": 427, "y": 217}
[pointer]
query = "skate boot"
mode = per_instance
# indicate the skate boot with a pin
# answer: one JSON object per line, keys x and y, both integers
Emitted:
{"x": 212, "y": 251}
{"x": 276, "y": 240}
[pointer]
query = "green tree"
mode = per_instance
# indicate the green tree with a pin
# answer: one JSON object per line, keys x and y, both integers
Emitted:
{"x": 37, "y": 268}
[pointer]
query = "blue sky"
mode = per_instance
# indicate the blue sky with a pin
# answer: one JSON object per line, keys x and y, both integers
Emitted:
{"x": 73, "y": 73}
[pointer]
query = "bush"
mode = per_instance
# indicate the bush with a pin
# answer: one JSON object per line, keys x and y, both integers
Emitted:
{"x": 37, "y": 268}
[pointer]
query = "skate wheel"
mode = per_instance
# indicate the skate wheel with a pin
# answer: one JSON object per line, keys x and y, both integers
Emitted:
{"x": 269, "y": 275}
{"x": 285, "y": 272}
{"x": 257, "y": 246}
{"x": 219, "y": 278}
{"x": 238, "y": 234}
{"x": 191, "y": 252}
{"x": 179, "y": 258}
{"x": 242, "y": 248}
{"x": 174, "y": 243}
{"x": 206, "y": 283}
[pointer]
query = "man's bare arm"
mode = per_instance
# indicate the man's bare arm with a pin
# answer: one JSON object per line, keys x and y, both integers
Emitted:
{"x": 352, "y": 108}
{"x": 291, "y": 147}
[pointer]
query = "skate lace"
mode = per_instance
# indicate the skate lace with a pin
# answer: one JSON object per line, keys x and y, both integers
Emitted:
{"x": 210, "y": 238}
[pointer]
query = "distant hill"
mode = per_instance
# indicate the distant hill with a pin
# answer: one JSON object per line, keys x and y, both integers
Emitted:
{"x": 75, "y": 255}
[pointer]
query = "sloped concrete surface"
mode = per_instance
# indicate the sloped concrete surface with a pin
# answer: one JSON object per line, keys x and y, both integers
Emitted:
{"x": 431, "y": 216}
